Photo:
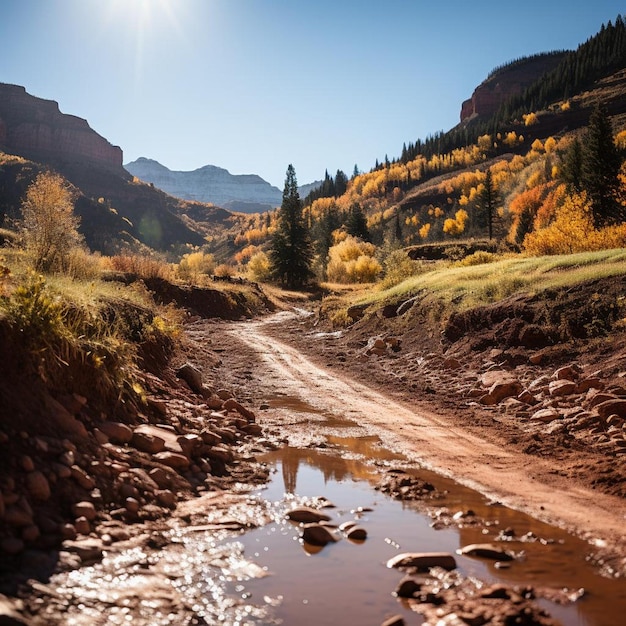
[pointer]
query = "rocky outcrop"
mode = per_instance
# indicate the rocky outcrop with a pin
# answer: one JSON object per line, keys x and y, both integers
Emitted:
{"x": 36, "y": 129}
{"x": 505, "y": 83}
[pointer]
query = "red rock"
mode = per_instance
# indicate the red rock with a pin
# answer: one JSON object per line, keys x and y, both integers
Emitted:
{"x": 117, "y": 432}
{"x": 545, "y": 415}
{"x": 232, "y": 405}
{"x": 586, "y": 384}
{"x": 82, "y": 478}
{"x": 612, "y": 407}
{"x": 146, "y": 442}
{"x": 569, "y": 372}
{"x": 84, "y": 509}
{"x": 37, "y": 486}
{"x": 423, "y": 560}
{"x": 562, "y": 387}
{"x": 172, "y": 459}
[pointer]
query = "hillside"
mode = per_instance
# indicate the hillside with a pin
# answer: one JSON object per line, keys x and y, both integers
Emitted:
{"x": 116, "y": 211}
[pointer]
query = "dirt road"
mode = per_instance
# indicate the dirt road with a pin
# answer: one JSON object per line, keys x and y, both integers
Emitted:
{"x": 436, "y": 441}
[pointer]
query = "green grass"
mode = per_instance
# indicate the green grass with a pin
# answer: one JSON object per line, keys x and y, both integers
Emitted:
{"x": 482, "y": 284}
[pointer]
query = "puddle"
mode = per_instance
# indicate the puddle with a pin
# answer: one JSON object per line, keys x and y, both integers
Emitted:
{"x": 348, "y": 583}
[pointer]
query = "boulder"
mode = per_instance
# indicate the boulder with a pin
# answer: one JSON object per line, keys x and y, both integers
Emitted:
{"x": 505, "y": 388}
{"x": 192, "y": 376}
{"x": 317, "y": 534}
{"x": 147, "y": 442}
{"x": 584, "y": 385}
{"x": 82, "y": 478}
{"x": 356, "y": 533}
{"x": 117, "y": 432}
{"x": 423, "y": 560}
{"x": 562, "y": 387}
{"x": 88, "y": 550}
{"x": 37, "y": 486}
{"x": 232, "y": 405}
{"x": 545, "y": 415}
{"x": 306, "y": 514}
{"x": 612, "y": 407}
{"x": 84, "y": 509}
{"x": 569, "y": 372}
{"x": 172, "y": 459}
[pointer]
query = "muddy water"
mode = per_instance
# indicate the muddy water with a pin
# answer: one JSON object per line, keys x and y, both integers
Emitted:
{"x": 348, "y": 583}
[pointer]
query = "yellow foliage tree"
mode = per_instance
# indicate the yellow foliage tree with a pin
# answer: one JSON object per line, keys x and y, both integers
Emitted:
{"x": 573, "y": 231}
{"x": 352, "y": 261}
{"x": 424, "y": 231}
{"x": 530, "y": 119}
{"x": 456, "y": 226}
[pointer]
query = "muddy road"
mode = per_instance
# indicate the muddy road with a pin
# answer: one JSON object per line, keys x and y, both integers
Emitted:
{"x": 431, "y": 438}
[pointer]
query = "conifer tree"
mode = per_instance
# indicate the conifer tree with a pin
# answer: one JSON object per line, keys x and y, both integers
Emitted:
{"x": 356, "y": 223}
{"x": 488, "y": 201}
{"x": 600, "y": 170}
{"x": 291, "y": 254}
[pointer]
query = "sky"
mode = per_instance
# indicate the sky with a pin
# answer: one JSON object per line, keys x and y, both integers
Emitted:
{"x": 254, "y": 85}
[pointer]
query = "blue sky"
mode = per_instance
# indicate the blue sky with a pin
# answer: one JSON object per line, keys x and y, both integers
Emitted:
{"x": 253, "y": 85}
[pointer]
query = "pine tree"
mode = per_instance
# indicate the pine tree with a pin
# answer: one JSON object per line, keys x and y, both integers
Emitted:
{"x": 291, "y": 254}
{"x": 571, "y": 171}
{"x": 600, "y": 169}
{"x": 356, "y": 223}
{"x": 488, "y": 201}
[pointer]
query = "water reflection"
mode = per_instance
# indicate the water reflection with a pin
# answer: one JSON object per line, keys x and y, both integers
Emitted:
{"x": 347, "y": 583}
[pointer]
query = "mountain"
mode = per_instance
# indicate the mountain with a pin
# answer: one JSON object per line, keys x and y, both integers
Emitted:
{"x": 244, "y": 193}
{"x": 115, "y": 210}
{"x": 248, "y": 192}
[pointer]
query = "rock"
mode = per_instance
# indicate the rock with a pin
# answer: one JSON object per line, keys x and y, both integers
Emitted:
{"x": 82, "y": 525}
{"x": 253, "y": 429}
{"x": 224, "y": 394}
{"x": 172, "y": 459}
{"x": 356, "y": 311}
{"x": 586, "y": 384}
{"x": 305, "y": 514}
{"x": 485, "y": 551}
{"x": 37, "y": 486}
{"x": 569, "y": 372}
{"x": 408, "y": 587}
{"x": 64, "y": 420}
{"x": 317, "y": 535}
{"x": 117, "y": 432}
{"x": 611, "y": 407}
{"x": 210, "y": 438}
{"x": 346, "y": 526}
{"x": 562, "y": 387}
{"x": 232, "y": 405}
{"x": 88, "y": 550}
{"x": 191, "y": 376}
{"x": 165, "y": 498}
{"x": 160, "y": 477}
{"x": 84, "y": 509}
{"x": 505, "y": 388}
{"x": 536, "y": 358}
{"x": 132, "y": 505}
{"x": 423, "y": 560}
{"x": 214, "y": 402}
{"x": 357, "y": 533}
{"x": 532, "y": 336}
{"x": 82, "y": 478}
{"x": 594, "y": 398}
{"x": 527, "y": 398}
{"x": 545, "y": 415}
{"x": 99, "y": 436}
{"x": 61, "y": 470}
{"x": 68, "y": 531}
{"x": 396, "y": 620}
{"x": 27, "y": 463}
{"x": 147, "y": 442}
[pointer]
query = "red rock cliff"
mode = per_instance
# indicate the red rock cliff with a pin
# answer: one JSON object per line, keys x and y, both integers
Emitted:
{"x": 35, "y": 128}
{"x": 508, "y": 82}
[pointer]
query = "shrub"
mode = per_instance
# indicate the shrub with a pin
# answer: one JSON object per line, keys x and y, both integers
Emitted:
{"x": 259, "y": 267}
{"x": 194, "y": 265}
{"x": 398, "y": 267}
{"x": 352, "y": 261}
{"x": 479, "y": 257}
{"x": 49, "y": 226}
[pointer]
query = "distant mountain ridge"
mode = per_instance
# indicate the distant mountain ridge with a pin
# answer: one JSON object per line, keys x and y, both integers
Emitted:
{"x": 245, "y": 193}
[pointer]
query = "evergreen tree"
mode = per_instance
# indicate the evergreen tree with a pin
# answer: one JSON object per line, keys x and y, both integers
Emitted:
{"x": 356, "y": 223}
{"x": 329, "y": 221}
{"x": 488, "y": 201}
{"x": 600, "y": 169}
{"x": 571, "y": 170}
{"x": 291, "y": 254}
